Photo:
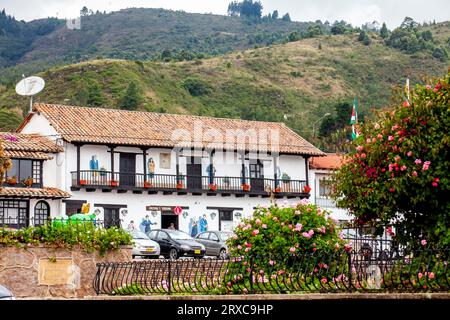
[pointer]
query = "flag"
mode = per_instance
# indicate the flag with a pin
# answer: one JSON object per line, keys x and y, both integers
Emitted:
{"x": 354, "y": 118}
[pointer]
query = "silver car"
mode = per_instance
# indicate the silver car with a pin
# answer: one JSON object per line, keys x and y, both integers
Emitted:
{"x": 5, "y": 294}
{"x": 143, "y": 246}
{"x": 215, "y": 243}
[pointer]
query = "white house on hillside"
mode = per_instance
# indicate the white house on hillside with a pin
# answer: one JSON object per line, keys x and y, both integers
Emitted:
{"x": 149, "y": 164}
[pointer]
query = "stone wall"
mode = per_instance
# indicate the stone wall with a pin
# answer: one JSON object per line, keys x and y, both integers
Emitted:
{"x": 40, "y": 271}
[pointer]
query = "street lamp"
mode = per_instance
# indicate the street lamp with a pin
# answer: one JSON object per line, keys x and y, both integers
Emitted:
{"x": 314, "y": 124}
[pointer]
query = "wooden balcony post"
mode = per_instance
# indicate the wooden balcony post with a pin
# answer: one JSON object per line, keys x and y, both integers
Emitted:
{"x": 275, "y": 175}
{"x": 177, "y": 165}
{"x": 243, "y": 167}
{"x": 78, "y": 164}
{"x": 144, "y": 157}
{"x": 211, "y": 167}
{"x": 307, "y": 170}
{"x": 112, "y": 161}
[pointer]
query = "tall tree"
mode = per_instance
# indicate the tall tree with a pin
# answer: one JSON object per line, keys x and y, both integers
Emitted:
{"x": 95, "y": 95}
{"x": 275, "y": 15}
{"x": 132, "y": 98}
{"x": 384, "y": 32}
{"x": 84, "y": 11}
{"x": 286, "y": 17}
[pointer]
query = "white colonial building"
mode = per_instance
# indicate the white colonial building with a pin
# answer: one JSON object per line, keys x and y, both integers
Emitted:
{"x": 129, "y": 164}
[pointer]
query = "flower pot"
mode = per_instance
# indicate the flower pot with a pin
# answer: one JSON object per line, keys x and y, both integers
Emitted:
{"x": 277, "y": 190}
{"x": 212, "y": 187}
{"x": 11, "y": 181}
{"x": 83, "y": 182}
{"x": 114, "y": 183}
{"x": 246, "y": 187}
{"x": 306, "y": 189}
{"x": 180, "y": 186}
{"x": 147, "y": 184}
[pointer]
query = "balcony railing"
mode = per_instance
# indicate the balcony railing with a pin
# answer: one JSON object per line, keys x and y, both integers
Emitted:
{"x": 167, "y": 182}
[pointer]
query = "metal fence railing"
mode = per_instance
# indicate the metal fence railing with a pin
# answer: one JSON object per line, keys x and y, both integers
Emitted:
{"x": 424, "y": 270}
{"x": 20, "y": 222}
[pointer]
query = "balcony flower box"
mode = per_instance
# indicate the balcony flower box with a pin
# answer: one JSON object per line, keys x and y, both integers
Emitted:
{"x": 277, "y": 190}
{"x": 83, "y": 182}
{"x": 28, "y": 182}
{"x": 180, "y": 185}
{"x": 246, "y": 187}
{"x": 12, "y": 180}
{"x": 306, "y": 189}
{"x": 114, "y": 183}
{"x": 212, "y": 187}
{"x": 147, "y": 184}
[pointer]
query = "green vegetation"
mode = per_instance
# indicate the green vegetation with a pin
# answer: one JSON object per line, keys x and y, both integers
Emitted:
{"x": 84, "y": 234}
{"x": 397, "y": 172}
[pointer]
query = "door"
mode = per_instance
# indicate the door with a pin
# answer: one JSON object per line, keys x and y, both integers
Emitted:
{"x": 127, "y": 169}
{"x": 257, "y": 176}
{"x": 168, "y": 217}
{"x": 203, "y": 238}
{"x": 164, "y": 242}
{"x": 194, "y": 175}
{"x": 112, "y": 218}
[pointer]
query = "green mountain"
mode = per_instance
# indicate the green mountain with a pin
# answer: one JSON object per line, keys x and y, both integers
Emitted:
{"x": 132, "y": 34}
{"x": 296, "y": 82}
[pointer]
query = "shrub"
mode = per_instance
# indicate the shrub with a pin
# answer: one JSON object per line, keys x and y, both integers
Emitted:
{"x": 195, "y": 86}
{"x": 397, "y": 172}
{"x": 58, "y": 234}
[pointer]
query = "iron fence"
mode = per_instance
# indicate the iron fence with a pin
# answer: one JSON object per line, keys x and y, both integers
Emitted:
{"x": 20, "y": 222}
{"x": 419, "y": 270}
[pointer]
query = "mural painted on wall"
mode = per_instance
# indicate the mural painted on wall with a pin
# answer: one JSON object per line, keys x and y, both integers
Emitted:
{"x": 94, "y": 167}
{"x": 197, "y": 226}
{"x": 164, "y": 160}
{"x": 151, "y": 168}
{"x": 211, "y": 171}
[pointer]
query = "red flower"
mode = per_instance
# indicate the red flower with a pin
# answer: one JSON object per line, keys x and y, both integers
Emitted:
{"x": 406, "y": 104}
{"x": 248, "y": 245}
{"x": 306, "y": 189}
{"x": 438, "y": 86}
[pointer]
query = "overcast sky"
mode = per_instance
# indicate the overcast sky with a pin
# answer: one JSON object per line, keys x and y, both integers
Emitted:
{"x": 356, "y": 12}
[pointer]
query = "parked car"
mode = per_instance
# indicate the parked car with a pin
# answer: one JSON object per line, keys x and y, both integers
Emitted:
{"x": 175, "y": 244}
{"x": 215, "y": 243}
{"x": 6, "y": 294}
{"x": 143, "y": 246}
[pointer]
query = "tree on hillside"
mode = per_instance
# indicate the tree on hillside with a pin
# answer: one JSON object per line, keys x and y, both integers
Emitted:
{"x": 246, "y": 8}
{"x": 340, "y": 119}
{"x": 384, "y": 32}
{"x": 132, "y": 98}
{"x": 95, "y": 95}
{"x": 275, "y": 15}
{"x": 409, "y": 23}
{"x": 84, "y": 11}
{"x": 286, "y": 17}
{"x": 397, "y": 172}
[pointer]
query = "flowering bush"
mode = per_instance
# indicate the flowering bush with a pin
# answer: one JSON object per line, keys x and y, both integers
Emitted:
{"x": 84, "y": 234}
{"x": 284, "y": 230}
{"x": 398, "y": 172}
{"x": 5, "y": 163}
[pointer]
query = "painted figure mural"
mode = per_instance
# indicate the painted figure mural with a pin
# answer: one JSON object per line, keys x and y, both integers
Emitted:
{"x": 203, "y": 224}
{"x": 193, "y": 227}
{"x": 151, "y": 168}
{"x": 94, "y": 166}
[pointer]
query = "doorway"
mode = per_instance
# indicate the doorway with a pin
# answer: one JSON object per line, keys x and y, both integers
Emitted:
{"x": 127, "y": 169}
{"x": 257, "y": 175}
{"x": 112, "y": 218}
{"x": 194, "y": 174}
{"x": 168, "y": 217}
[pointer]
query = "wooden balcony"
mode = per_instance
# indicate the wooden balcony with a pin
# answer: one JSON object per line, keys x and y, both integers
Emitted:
{"x": 183, "y": 184}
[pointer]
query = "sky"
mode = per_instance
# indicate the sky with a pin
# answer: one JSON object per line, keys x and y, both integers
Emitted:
{"x": 357, "y": 12}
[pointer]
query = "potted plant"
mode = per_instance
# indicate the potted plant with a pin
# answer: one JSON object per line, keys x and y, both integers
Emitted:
{"x": 83, "y": 182}
{"x": 286, "y": 181}
{"x": 114, "y": 183}
{"x": 246, "y": 187}
{"x": 277, "y": 190}
{"x": 180, "y": 182}
{"x": 212, "y": 186}
{"x": 306, "y": 189}
{"x": 28, "y": 182}
{"x": 147, "y": 184}
{"x": 12, "y": 180}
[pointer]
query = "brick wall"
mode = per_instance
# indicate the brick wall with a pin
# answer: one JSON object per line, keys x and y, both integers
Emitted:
{"x": 40, "y": 271}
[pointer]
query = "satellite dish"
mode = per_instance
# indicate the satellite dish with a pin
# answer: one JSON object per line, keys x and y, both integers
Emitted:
{"x": 29, "y": 87}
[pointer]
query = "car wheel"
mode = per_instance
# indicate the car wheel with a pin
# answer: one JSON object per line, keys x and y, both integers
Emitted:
{"x": 133, "y": 257}
{"x": 223, "y": 254}
{"x": 173, "y": 253}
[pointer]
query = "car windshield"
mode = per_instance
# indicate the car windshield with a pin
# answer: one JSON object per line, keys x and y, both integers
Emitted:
{"x": 225, "y": 235}
{"x": 138, "y": 235}
{"x": 178, "y": 235}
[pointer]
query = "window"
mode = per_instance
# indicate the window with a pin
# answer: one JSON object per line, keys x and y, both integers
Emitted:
{"x": 41, "y": 213}
{"x": 324, "y": 188}
{"x": 13, "y": 213}
{"x": 204, "y": 236}
{"x": 226, "y": 220}
{"x": 23, "y": 169}
{"x": 163, "y": 236}
{"x": 152, "y": 234}
{"x": 213, "y": 237}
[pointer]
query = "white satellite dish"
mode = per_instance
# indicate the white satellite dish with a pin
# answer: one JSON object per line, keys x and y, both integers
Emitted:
{"x": 29, "y": 87}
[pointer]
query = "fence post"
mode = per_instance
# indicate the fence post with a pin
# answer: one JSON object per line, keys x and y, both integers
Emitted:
{"x": 349, "y": 262}
{"x": 169, "y": 282}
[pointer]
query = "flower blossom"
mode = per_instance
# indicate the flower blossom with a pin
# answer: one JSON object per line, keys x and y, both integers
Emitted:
{"x": 423, "y": 242}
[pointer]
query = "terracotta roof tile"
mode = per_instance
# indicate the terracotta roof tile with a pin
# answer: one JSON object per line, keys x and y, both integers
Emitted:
{"x": 119, "y": 127}
{"x": 27, "y": 155}
{"x": 331, "y": 161}
{"x": 45, "y": 193}
{"x": 13, "y": 141}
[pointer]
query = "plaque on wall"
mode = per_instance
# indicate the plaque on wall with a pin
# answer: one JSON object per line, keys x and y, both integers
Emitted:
{"x": 164, "y": 160}
{"x": 59, "y": 272}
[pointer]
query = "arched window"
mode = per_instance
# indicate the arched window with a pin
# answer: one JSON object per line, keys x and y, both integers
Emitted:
{"x": 41, "y": 213}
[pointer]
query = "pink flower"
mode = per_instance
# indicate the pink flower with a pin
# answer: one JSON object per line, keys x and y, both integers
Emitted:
{"x": 377, "y": 126}
{"x": 290, "y": 226}
{"x": 397, "y": 158}
{"x": 324, "y": 280}
{"x": 431, "y": 275}
{"x": 248, "y": 245}
{"x": 414, "y": 173}
{"x": 391, "y": 190}
{"x": 368, "y": 140}
{"x": 418, "y": 161}
{"x": 426, "y": 165}
{"x": 247, "y": 249}
{"x": 380, "y": 136}
{"x": 264, "y": 226}
{"x": 258, "y": 221}
{"x": 239, "y": 247}
{"x": 298, "y": 227}
{"x": 348, "y": 247}
{"x": 434, "y": 184}
{"x": 359, "y": 148}
{"x": 337, "y": 246}
{"x": 403, "y": 168}
{"x": 271, "y": 262}
{"x": 292, "y": 249}
{"x": 306, "y": 235}
{"x": 390, "y": 138}
{"x": 374, "y": 139}
{"x": 420, "y": 275}
{"x": 363, "y": 155}
{"x": 255, "y": 232}
{"x": 423, "y": 242}
{"x": 428, "y": 87}
{"x": 409, "y": 154}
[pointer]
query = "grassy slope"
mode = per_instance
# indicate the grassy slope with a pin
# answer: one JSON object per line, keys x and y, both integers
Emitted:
{"x": 296, "y": 78}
